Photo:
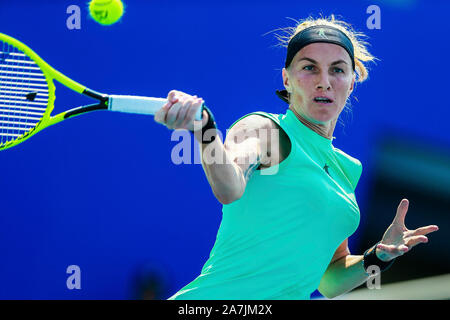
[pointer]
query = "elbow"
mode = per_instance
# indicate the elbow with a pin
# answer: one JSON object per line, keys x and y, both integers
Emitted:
{"x": 227, "y": 191}
{"x": 226, "y": 200}
{"x": 228, "y": 197}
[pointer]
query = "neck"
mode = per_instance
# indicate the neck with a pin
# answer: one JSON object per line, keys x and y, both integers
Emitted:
{"x": 325, "y": 131}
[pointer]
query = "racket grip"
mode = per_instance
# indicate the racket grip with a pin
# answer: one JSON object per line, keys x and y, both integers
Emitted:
{"x": 140, "y": 105}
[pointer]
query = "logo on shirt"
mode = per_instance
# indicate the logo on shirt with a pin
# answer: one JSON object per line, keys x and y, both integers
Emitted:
{"x": 326, "y": 169}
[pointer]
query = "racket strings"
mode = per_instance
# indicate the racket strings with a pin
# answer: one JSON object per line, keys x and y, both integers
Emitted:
{"x": 23, "y": 93}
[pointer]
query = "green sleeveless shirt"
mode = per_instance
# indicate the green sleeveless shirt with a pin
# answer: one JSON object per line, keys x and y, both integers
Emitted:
{"x": 278, "y": 239}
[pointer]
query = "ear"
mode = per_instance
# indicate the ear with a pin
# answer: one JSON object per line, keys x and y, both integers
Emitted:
{"x": 352, "y": 86}
{"x": 285, "y": 74}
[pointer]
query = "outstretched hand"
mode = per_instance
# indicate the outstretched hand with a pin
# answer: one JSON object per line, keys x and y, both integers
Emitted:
{"x": 398, "y": 239}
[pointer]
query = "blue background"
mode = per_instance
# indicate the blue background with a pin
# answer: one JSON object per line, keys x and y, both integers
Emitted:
{"x": 100, "y": 191}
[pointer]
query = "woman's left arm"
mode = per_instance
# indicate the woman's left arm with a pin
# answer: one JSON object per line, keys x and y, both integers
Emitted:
{"x": 347, "y": 272}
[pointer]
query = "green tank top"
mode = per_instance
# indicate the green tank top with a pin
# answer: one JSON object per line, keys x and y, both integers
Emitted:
{"x": 278, "y": 239}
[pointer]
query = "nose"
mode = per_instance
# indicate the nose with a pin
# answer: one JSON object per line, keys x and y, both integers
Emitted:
{"x": 323, "y": 81}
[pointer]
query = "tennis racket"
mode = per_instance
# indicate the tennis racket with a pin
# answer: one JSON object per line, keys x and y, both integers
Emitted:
{"x": 27, "y": 95}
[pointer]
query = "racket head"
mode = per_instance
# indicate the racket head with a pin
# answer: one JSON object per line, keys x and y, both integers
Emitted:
{"x": 27, "y": 92}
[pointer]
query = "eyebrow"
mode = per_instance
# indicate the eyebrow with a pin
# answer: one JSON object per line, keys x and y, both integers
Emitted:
{"x": 314, "y": 61}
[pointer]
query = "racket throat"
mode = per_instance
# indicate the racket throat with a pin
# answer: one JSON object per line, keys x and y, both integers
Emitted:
{"x": 102, "y": 105}
{"x": 103, "y": 98}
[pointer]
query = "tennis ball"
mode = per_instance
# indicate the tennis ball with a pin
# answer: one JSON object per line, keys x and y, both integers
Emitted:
{"x": 106, "y": 12}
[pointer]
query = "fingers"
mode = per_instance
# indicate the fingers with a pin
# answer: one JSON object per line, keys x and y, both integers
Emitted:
{"x": 161, "y": 115}
{"x": 191, "y": 123}
{"x": 174, "y": 113}
{"x": 397, "y": 250}
{"x": 393, "y": 250}
{"x": 179, "y": 111}
{"x": 402, "y": 209}
{"x": 171, "y": 95}
{"x": 415, "y": 240}
{"x": 424, "y": 230}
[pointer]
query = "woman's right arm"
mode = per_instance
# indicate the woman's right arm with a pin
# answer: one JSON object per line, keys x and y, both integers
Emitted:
{"x": 228, "y": 166}
{"x": 244, "y": 150}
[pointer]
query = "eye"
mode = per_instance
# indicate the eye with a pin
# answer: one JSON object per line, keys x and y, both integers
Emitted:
{"x": 338, "y": 70}
{"x": 309, "y": 67}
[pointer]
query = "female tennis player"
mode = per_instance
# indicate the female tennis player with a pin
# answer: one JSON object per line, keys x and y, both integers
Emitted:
{"x": 288, "y": 203}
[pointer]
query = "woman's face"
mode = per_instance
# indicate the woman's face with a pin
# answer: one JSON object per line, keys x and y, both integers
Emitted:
{"x": 319, "y": 70}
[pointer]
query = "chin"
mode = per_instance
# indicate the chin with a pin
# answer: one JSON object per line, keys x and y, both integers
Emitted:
{"x": 322, "y": 117}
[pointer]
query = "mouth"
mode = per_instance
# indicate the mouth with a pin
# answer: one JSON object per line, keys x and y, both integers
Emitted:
{"x": 323, "y": 100}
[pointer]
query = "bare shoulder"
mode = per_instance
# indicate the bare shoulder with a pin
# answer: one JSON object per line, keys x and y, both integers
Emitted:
{"x": 253, "y": 122}
{"x": 245, "y": 142}
{"x": 252, "y": 127}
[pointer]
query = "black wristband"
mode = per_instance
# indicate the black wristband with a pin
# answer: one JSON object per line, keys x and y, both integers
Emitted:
{"x": 371, "y": 259}
{"x": 211, "y": 124}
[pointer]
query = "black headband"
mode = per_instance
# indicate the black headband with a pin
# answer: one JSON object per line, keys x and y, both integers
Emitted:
{"x": 320, "y": 33}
